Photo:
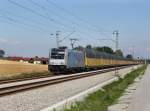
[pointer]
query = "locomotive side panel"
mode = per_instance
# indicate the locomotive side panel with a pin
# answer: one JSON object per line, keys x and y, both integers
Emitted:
{"x": 75, "y": 59}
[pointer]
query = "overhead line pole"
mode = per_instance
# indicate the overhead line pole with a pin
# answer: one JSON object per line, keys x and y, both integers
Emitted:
{"x": 73, "y": 40}
{"x": 57, "y": 38}
{"x": 133, "y": 47}
{"x": 133, "y": 51}
{"x": 116, "y": 34}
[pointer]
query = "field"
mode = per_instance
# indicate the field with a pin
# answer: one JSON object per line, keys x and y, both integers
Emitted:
{"x": 12, "y": 68}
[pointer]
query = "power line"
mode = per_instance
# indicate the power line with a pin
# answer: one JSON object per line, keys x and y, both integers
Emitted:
{"x": 18, "y": 22}
{"x": 25, "y": 19}
{"x": 10, "y": 22}
{"x": 76, "y": 17}
{"x": 37, "y": 13}
{"x": 67, "y": 36}
{"x": 41, "y": 15}
{"x": 45, "y": 9}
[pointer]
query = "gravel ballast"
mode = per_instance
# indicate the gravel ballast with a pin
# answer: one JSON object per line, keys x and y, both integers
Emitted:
{"x": 37, "y": 99}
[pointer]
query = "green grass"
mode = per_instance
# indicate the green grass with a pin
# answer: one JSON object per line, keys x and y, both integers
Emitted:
{"x": 101, "y": 99}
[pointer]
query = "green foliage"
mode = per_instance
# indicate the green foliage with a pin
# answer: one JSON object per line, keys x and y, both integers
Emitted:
{"x": 88, "y": 47}
{"x": 129, "y": 56}
{"x": 2, "y": 53}
{"x": 101, "y": 49}
{"x": 104, "y": 49}
{"x": 100, "y": 100}
{"x": 80, "y": 48}
{"x": 119, "y": 53}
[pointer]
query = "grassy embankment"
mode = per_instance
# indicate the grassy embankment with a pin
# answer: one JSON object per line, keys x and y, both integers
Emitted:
{"x": 100, "y": 100}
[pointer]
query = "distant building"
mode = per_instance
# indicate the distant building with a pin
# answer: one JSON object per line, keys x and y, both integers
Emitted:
{"x": 41, "y": 60}
{"x": 14, "y": 58}
{"x": 44, "y": 60}
{"x": 34, "y": 60}
{"x": 25, "y": 60}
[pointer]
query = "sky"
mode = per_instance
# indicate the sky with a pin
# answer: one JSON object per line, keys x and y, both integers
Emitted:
{"x": 28, "y": 27}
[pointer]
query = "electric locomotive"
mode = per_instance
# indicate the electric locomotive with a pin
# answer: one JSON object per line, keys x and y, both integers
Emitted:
{"x": 64, "y": 59}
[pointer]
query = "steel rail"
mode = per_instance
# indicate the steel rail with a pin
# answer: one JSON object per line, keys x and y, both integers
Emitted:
{"x": 29, "y": 78}
{"x": 36, "y": 84}
{"x": 24, "y": 79}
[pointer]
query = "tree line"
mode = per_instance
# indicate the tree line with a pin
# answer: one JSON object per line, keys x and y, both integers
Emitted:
{"x": 106, "y": 49}
{"x": 2, "y": 53}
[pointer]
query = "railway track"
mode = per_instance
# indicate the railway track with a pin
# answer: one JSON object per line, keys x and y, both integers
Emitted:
{"x": 15, "y": 88}
{"x": 27, "y": 78}
{"x": 23, "y": 79}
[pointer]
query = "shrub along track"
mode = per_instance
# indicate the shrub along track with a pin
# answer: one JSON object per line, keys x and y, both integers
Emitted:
{"x": 39, "y": 83}
{"x": 108, "y": 95}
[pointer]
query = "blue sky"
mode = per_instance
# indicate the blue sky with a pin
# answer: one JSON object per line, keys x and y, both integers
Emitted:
{"x": 25, "y": 29}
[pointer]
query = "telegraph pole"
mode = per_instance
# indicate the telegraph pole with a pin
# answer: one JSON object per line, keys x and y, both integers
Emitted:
{"x": 73, "y": 40}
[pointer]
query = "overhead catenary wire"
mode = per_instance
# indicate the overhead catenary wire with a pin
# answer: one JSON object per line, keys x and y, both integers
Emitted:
{"x": 38, "y": 14}
{"x": 72, "y": 22}
{"x": 67, "y": 36}
{"x": 21, "y": 19}
{"x": 91, "y": 26}
{"x": 46, "y": 17}
{"x": 20, "y": 26}
{"x": 44, "y": 8}
{"x": 21, "y": 23}
{"x": 48, "y": 10}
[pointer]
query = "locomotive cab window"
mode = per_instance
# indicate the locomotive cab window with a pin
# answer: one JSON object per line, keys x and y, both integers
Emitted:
{"x": 57, "y": 54}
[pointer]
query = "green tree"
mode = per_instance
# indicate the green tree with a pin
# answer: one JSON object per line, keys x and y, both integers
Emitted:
{"x": 80, "y": 48}
{"x": 119, "y": 53}
{"x": 2, "y": 53}
{"x": 104, "y": 49}
{"x": 129, "y": 56}
{"x": 88, "y": 47}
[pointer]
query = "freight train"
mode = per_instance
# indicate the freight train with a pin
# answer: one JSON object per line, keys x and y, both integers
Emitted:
{"x": 63, "y": 59}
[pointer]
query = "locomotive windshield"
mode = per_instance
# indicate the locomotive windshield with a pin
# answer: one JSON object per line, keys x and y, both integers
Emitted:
{"x": 57, "y": 54}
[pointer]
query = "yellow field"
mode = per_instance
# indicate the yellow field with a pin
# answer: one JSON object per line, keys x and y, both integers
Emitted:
{"x": 11, "y": 68}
